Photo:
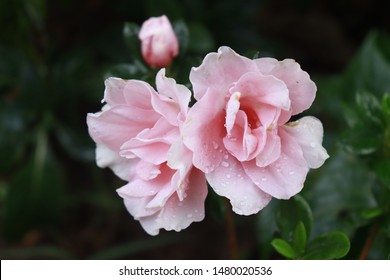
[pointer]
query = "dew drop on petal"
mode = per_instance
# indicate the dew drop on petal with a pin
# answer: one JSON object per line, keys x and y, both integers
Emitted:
{"x": 225, "y": 164}
{"x": 226, "y": 156}
{"x": 228, "y": 176}
{"x": 215, "y": 145}
{"x": 291, "y": 172}
{"x": 264, "y": 179}
{"x": 189, "y": 215}
{"x": 312, "y": 144}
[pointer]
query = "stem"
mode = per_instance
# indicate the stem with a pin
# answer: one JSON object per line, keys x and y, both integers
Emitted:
{"x": 231, "y": 231}
{"x": 369, "y": 241}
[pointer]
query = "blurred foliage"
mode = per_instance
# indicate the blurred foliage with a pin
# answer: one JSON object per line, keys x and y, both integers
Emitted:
{"x": 54, "y": 56}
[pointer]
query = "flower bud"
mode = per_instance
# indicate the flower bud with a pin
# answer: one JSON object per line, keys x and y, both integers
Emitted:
{"x": 159, "y": 44}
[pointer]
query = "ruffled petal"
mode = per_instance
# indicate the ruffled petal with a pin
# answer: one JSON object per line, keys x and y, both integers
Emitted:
{"x": 168, "y": 87}
{"x": 308, "y": 132}
{"x": 122, "y": 167}
{"x": 119, "y": 124}
{"x": 257, "y": 89}
{"x": 241, "y": 142}
{"x": 302, "y": 90}
{"x": 283, "y": 178}
{"x": 231, "y": 181}
{"x": 152, "y": 144}
{"x": 203, "y": 131}
{"x": 218, "y": 71}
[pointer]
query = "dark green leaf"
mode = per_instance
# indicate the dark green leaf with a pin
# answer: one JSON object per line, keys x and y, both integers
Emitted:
{"x": 334, "y": 245}
{"x": 300, "y": 238}
{"x": 135, "y": 70}
{"x": 290, "y": 213}
{"x": 372, "y": 213}
{"x": 370, "y": 69}
{"x": 201, "y": 40}
{"x": 181, "y": 31}
{"x": 363, "y": 139}
{"x": 283, "y": 248}
{"x": 40, "y": 252}
{"x": 342, "y": 190}
{"x": 370, "y": 107}
{"x": 130, "y": 35}
{"x": 125, "y": 250}
{"x": 386, "y": 108}
{"x": 35, "y": 194}
{"x": 382, "y": 170}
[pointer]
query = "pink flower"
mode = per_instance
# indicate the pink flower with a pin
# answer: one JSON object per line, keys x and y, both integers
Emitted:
{"x": 159, "y": 44}
{"x": 138, "y": 135}
{"x": 238, "y": 130}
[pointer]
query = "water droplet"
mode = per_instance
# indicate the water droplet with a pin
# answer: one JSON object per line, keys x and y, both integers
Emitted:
{"x": 312, "y": 144}
{"x": 264, "y": 179}
{"x": 196, "y": 210}
{"x": 225, "y": 164}
{"x": 228, "y": 176}
{"x": 291, "y": 172}
{"x": 215, "y": 145}
{"x": 226, "y": 156}
{"x": 189, "y": 215}
{"x": 180, "y": 204}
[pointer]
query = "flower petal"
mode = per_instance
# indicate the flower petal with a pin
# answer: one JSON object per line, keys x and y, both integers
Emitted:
{"x": 257, "y": 89}
{"x": 270, "y": 151}
{"x": 152, "y": 144}
{"x": 308, "y": 132}
{"x": 302, "y": 89}
{"x": 122, "y": 167}
{"x": 118, "y": 124}
{"x": 168, "y": 87}
{"x": 230, "y": 180}
{"x": 179, "y": 214}
{"x": 285, "y": 177}
{"x": 241, "y": 142}
{"x": 218, "y": 71}
{"x": 203, "y": 131}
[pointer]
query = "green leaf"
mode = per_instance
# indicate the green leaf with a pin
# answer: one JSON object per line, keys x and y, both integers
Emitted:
{"x": 125, "y": 250}
{"x": 283, "y": 248}
{"x": 372, "y": 213}
{"x": 341, "y": 190}
{"x": 130, "y": 36}
{"x": 363, "y": 139}
{"x": 135, "y": 70}
{"x": 370, "y": 69}
{"x": 201, "y": 39}
{"x": 334, "y": 245}
{"x": 35, "y": 194}
{"x": 370, "y": 107}
{"x": 181, "y": 31}
{"x": 300, "y": 238}
{"x": 386, "y": 108}
{"x": 382, "y": 168}
{"x": 290, "y": 213}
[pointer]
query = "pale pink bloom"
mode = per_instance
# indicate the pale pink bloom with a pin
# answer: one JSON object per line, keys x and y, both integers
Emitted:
{"x": 238, "y": 130}
{"x": 159, "y": 44}
{"x": 138, "y": 136}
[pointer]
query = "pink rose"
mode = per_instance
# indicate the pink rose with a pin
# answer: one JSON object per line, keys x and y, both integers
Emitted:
{"x": 138, "y": 135}
{"x": 159, "y": 44}
{"x": 238, "y": 130}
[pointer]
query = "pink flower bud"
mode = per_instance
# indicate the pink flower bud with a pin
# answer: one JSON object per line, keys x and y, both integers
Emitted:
{"x": 159, "y": 43}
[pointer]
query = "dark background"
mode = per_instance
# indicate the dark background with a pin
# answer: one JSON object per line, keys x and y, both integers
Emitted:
{"x": 54, "y": 201}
